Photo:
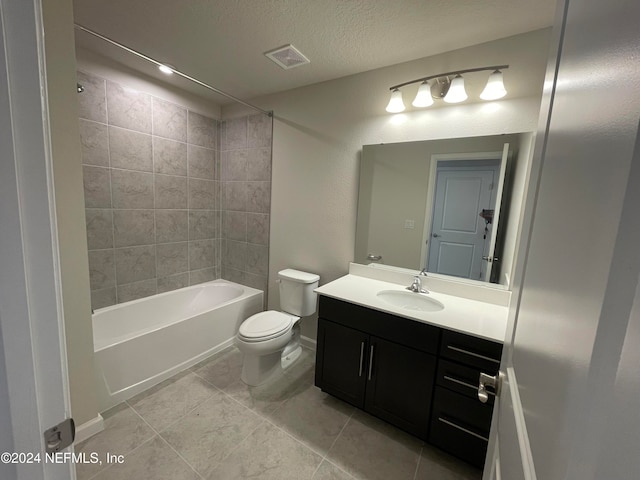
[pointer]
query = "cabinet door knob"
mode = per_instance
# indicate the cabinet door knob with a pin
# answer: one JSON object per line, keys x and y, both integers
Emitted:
{"x": 370, "y": 361}
{"x": 361, "y": 358}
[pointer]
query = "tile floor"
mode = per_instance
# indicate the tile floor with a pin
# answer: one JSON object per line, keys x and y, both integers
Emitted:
{"x": 205, "y": 424}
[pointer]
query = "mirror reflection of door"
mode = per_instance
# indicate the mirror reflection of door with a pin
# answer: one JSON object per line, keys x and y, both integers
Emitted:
{"x": 467, "y": 192}
{"x": 459, "y": 235}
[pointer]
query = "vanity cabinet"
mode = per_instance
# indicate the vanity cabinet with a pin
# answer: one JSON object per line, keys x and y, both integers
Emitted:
{"x": 418, "y": 377}
{"x": 378, "y": 362}
{"x": 460, "y": 424}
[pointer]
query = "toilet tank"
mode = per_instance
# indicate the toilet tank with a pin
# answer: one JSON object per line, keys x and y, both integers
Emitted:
{"x": 296, "y": 291}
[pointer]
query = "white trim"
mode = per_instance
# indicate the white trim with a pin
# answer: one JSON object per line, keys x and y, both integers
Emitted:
{"x": 30, "y": 297}
{"x": 89, "y": 429}
{"x": 309, "y": 343}
{"x": 521, "y": 427}
{"x": 504, "y": 165}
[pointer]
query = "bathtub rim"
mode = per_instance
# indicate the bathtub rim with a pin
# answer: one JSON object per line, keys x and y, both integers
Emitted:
{"x": 251, "y": 301}
{"x": 246, "y": 291}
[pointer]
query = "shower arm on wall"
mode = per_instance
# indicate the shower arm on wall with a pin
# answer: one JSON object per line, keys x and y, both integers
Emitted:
{"x": 177, "y": 72}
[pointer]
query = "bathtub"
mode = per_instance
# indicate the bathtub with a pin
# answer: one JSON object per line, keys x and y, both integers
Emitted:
{"x": 140, "y": 343}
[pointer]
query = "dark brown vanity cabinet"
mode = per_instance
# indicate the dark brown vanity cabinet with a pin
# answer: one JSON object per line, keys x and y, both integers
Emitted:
{"x": 378, "y": 362}
{"x": 418, "y": 377}
{"x": 460, "y": 424}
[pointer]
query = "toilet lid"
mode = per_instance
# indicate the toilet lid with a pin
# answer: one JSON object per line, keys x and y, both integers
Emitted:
{"x": 266, "y": 324}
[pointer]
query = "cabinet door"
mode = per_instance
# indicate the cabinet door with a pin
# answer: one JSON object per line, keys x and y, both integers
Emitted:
{"x": 341, "y": 361}
{"x": 400, "y": 385}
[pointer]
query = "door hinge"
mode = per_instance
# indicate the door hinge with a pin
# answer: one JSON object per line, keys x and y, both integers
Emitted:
{"x": 60, "y": 436}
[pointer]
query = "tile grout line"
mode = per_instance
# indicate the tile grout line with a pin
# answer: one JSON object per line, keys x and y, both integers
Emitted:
{"x": 267, "y": 420}
{"x": 180, "y": 456}
{"x": 111, "y": 207}
{"x": 263, "y": 420}
{"x": 125, "y": 455}
{"x": 163, "y": 439}
{"x": 155, "y": 229}
{"x": 260, "y": 424}
{"x": 415, "y": 475}
{"x": 335, "y": 440}
{"x": 218, "y": 391}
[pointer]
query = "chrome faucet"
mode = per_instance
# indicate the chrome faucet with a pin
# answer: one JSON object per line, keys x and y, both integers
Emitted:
{"x": 416, "y": 286}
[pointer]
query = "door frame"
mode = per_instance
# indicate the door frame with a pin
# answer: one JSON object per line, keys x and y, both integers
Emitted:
{"x": 431, "y": 185}
{"x": 31, "y": 315}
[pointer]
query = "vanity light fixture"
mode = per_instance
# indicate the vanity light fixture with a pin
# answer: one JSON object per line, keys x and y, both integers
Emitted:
{"x": 495, "y": 87}
{"x": 456, "y": 93}
{"x": 396, "y": 105}
{"x": 451, "y": 90}
{"x": 424, "y": 97}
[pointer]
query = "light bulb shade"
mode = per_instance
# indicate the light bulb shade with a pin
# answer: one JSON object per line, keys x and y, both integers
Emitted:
{"x": 456, "y": 91}
{"x": 495, "y": 87}
{"x": 423, "y": 97}
{"x": 396, "y": 105}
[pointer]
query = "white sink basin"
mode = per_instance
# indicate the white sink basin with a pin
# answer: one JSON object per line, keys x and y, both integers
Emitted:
{"x": 410, "y": 300}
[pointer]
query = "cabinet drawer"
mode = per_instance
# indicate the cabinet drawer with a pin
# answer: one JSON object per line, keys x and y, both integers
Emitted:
{"x": 459, "y": 378}
{"x": 460, "y": 426}
{"x": 472, "y": 351}
{"x": 399, "y": 330}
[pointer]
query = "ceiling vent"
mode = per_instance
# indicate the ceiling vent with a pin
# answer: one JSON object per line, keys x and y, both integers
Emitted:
{"x": 287, "y": 57}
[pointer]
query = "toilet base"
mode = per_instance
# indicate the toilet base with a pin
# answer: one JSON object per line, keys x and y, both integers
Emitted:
{"x": 288, "y": 360}
{"x": 257, "y": 370}
{"x": 260, "y": 370}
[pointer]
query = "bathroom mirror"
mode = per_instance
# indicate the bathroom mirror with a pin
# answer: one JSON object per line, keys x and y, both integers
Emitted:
{"x": 450, "y": 206}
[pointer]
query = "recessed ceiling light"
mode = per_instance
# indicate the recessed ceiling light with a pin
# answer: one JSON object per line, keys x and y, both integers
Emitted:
{"x": 166, "y": 69}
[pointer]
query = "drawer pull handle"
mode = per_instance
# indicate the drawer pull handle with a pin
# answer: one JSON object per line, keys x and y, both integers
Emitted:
{"x": 451, "y": 424}
{"x": 370, "y": 361}
{"x": 361, "y": 358}
{"x": 477, "y": 355}
{"x": 460, "y": 382}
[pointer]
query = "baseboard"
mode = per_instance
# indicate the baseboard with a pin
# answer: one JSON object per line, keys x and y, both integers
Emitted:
{"x": 89, "y": 429}
{"x": 307, "y": 342}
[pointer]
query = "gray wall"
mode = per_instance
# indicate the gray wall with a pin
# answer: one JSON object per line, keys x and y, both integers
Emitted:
{"x": 173, "y": 198}
{"x": 245, "y": 173}
{"x": 152, "y": 192}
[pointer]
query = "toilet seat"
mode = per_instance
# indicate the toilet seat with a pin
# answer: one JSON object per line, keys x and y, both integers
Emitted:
{"x": 266, "y": 325}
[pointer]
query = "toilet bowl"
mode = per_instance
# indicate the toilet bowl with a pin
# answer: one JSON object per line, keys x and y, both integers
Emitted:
{"x": 270, "y": 341}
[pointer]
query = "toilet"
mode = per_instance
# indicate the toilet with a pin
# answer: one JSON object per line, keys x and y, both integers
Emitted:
{"x": 270, "y": 341}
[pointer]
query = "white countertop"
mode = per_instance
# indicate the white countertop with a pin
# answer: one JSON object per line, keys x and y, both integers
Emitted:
{"x": 480, "y": 319}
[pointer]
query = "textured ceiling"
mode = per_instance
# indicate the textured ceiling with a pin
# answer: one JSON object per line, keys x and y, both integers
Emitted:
{"x": 222, "y": 42}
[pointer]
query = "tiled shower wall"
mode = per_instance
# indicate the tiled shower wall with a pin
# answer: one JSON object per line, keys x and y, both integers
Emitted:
{"x": 173, "y": 198}
{"x": 152, "y": 192}
{"x": 245, "y": 175}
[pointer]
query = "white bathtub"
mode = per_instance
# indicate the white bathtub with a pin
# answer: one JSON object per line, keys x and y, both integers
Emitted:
{"x": 143, "y": 342}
